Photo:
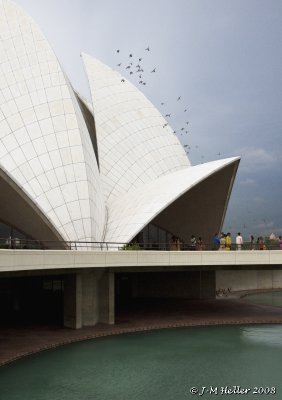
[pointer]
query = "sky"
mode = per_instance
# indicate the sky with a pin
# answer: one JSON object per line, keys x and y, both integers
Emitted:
{"x": 223, "y": 58}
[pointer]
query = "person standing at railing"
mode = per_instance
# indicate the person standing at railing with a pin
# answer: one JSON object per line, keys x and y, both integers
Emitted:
{"x": 174, "y": 243}
{"x": 239, "y": 241}
{"x": 228, "y": 241}
{"x": 280, "y": 242}
{"x": 200, "y": 244}
{"x": 193, "y": 243}
{"x": 222, "y": 241}
{"x": 252, "y": 242}
{"x": 260, "y": 243}
{"x": 215, "y": 242}
{"x": 17, "y": 243}
{"x": 9, "y": 242}
{"x": 178, "y": 243}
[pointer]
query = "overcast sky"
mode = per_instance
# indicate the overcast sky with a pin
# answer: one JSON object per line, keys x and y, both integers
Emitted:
{"x": 223, "y": 57}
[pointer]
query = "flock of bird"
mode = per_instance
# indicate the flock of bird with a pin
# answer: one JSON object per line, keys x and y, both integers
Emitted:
{"x": 135, "y": 68}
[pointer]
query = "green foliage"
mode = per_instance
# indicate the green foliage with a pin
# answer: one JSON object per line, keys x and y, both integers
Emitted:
{"x": 271, "y": 244}
{"x": 131, "y": 246}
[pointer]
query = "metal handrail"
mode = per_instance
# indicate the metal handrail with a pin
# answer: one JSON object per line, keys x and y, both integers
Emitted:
{"x": 16, "y": 243}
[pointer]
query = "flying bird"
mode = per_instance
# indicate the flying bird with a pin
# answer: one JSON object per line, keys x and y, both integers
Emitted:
{"x": 168, "y": 115}
{"x": 154, "y": 70}
{"x": 117, "y": 51}
{"x": 179, "y": 98}
{"x": 130, "y": 55}
{"x": 122, "y": 80}
{"x": 148, "y": 48}
{"x": 119, "y": 65}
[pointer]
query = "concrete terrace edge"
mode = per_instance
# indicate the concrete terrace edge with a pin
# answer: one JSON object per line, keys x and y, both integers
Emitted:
{"x": 33, "y": 260}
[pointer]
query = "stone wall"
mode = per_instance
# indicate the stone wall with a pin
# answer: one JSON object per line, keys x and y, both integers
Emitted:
{"x": 249, "y": 280}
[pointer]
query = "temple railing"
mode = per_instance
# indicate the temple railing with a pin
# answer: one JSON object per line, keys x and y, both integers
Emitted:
{"x": 16, "y": 243}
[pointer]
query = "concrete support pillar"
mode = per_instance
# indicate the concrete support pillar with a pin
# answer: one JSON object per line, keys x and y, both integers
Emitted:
{"x": 90, "y": 306}
{"x": 73, "y": 301}
{"x": 107, "y": 298}
{"x": 89, "y": 298}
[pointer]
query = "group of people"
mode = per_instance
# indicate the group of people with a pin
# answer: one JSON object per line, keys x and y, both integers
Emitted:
{"x": 195, "y": 244}
{"x": 13, "y": 243}
{"x": 175, "y": 243}
{"x": 224, "y": 241}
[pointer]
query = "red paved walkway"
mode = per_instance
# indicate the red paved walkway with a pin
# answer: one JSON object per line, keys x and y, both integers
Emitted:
{"x": 16, "y": 342}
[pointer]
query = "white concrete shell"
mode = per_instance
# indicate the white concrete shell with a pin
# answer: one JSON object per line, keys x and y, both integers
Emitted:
{"x": 93, "y": 180}
{"x": 144, "y": 168}
{"x": 44, "y": 142}
{"x": 135, "y": 143}
{"x": 202, "y": 216}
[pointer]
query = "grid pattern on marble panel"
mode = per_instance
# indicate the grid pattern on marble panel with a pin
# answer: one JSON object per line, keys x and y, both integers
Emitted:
{"x": 42, "y": 144}
{"x": 134, "y": 210}
{"x": 137, "y": 208}
{"x": 95, "y": 199}
{"x": 136, "y": 144}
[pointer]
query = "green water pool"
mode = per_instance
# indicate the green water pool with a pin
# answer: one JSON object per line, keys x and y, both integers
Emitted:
{"x": 267, "y": 298}
{"x": 163, "y": 364}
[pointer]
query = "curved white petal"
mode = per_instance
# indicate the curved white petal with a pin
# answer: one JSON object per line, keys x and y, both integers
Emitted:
{"x": 44, "y": 142}
{"x": 23, "y": 213}
{"x": 135, "y": 143}
{"x": 132, "y": 212}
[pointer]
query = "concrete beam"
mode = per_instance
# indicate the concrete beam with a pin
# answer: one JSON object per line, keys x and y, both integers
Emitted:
{"x": 34, "y": 260}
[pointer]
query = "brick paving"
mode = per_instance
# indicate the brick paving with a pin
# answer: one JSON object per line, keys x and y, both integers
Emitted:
{"x": 23, "y": 340}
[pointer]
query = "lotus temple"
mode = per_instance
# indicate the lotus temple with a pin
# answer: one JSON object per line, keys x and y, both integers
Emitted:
{"x": 82, "y": 179}
{"x": 99, "y": 171}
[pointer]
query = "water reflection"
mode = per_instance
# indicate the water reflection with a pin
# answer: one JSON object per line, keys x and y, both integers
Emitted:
{"x": 268, "y": 298}
{"x": 267, "y": 335}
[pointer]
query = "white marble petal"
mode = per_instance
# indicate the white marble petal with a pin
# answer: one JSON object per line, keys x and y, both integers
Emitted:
{"x": 44, "y": 139}
{"x": 130, "y": 213}
{"x": 135, "y": 143}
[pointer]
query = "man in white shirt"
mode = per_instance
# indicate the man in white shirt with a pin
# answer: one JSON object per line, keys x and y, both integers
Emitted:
{"x": 239, "y": 241}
